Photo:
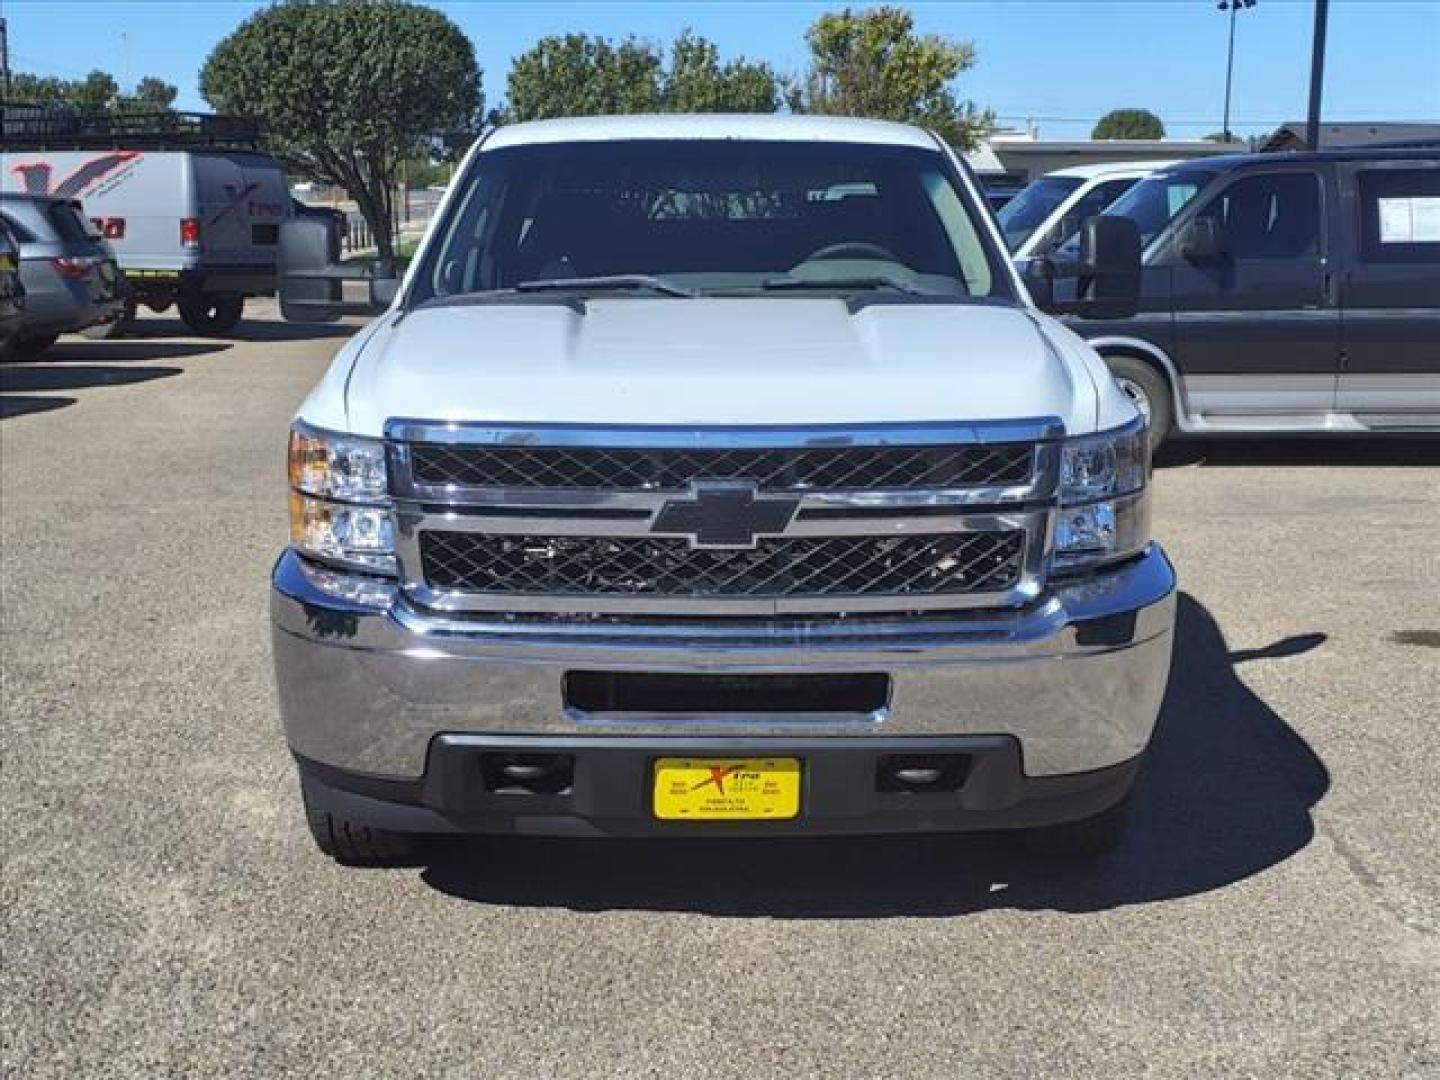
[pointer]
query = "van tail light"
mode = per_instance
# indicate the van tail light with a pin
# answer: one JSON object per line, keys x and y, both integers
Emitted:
{"x": 190, "y": 232}
{"x": 73, "y": 269}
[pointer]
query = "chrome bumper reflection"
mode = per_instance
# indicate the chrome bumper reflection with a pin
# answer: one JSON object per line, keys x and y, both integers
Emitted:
{"x": 1077, "y": 677}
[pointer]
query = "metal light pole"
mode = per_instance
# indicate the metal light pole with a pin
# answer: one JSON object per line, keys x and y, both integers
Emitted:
{"x": 1317, "y": 75}
{"x": 1232, "y": 6}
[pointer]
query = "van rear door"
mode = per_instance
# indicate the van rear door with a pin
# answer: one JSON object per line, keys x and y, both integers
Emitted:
{"x": 242, "y": 200}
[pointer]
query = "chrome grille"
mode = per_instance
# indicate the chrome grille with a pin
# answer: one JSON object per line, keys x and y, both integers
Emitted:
{"x": 643, "y": 566}
{"x": 772, "y": 469}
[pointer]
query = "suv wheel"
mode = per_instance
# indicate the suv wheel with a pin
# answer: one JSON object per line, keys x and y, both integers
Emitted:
{"x": 1147, "y": 388}
{"x": 211, "y": 314}
{"x": 1085, "y": 838}
{"x": 353, "y": 844}
{"x": 115, "y": 328}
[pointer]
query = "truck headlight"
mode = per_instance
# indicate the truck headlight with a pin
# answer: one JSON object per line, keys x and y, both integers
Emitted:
{"x": 340, "y": 500}
{"x": 1104, "y": 511}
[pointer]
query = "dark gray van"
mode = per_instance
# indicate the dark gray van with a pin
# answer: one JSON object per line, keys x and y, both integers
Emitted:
{"x": 1281, "y": 293}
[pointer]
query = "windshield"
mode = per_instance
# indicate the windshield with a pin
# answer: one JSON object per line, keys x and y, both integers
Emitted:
{"x": 1027, "y": 211}
{"x": 1153, "y": 203}
{"x": 710, "y": 216}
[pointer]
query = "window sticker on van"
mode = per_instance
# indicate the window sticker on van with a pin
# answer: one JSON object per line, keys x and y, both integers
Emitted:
{"x": 1411, "y": 220}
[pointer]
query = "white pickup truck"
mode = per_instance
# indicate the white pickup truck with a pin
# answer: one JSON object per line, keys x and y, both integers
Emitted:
{"x": 716, "y": 476}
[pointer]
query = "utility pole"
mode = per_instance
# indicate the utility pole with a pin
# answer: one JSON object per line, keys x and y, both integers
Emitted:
{"x": 1317, "y": 75}
{"x": 5, "y": 57}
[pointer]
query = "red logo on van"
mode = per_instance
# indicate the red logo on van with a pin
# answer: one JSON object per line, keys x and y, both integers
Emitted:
{"x": 36, "y": 175}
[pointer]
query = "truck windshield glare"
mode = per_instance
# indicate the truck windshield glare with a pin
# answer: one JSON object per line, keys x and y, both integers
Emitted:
{"x": 713, "y": 215}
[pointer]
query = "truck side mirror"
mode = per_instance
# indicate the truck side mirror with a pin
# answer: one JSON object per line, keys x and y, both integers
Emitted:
{"x": 1109, "y": 268}
{"x": 312, "y": 282}
{"x": 1039, "y": 275}
{"x": 1200, "y": 241}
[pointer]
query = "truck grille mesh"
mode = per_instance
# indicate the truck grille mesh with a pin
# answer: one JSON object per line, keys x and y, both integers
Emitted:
{"x": 809, "y": 469}
{"x": 947, "y": 564}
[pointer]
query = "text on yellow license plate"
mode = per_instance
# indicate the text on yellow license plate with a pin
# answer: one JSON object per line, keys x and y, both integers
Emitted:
{"x": 712, "y": 789}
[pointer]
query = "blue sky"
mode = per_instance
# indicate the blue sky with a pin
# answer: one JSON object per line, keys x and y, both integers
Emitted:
{"x": 1064, "y": 62}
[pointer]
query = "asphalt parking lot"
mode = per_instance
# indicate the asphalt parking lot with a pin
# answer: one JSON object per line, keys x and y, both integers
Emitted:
{"x": 1273, "y": 913}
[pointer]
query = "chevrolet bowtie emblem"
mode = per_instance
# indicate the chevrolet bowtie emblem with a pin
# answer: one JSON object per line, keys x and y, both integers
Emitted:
{"x": 718, "y": 514}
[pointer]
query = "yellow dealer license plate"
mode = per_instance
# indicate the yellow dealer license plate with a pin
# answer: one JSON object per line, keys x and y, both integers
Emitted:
{"x": 723, "y": 789}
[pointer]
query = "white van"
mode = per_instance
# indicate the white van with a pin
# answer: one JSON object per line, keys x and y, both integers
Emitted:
{"x": 196, "y": 227}
{"x": 1049, "y": 210}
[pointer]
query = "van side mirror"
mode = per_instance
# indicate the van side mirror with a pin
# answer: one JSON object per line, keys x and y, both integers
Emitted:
{"x": 1109, "y": 268}
{"x": 312, "y": 282}
{"x": 1200, "y": 241}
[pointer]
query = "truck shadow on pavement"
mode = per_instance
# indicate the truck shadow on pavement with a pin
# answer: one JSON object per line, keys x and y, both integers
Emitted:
{"x": 1336, "y": 451}
{"x": 1226, "y": 793}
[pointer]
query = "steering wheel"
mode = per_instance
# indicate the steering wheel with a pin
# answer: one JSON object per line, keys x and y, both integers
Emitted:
{"x": 852, "y": 249}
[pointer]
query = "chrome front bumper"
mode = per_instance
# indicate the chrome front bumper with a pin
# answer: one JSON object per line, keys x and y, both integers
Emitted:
{"x": 1076, "y": 677}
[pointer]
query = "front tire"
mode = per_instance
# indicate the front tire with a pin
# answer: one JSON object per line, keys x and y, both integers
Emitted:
{"x": 211, "y": 314}
{"x": 353, "y": 844}
{"x": 1084, "y": 839}
{"x": 1149, "y": 391}
{"x": 29, "y": 347}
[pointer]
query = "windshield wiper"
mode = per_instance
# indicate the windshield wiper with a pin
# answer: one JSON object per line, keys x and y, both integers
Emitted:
{"x": 869, "y": 281}
{"x": 606, "y": 283}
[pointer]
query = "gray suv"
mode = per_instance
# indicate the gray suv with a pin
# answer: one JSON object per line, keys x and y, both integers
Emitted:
{"x": 70, "y": 277}
{"x": 12, "y": 292}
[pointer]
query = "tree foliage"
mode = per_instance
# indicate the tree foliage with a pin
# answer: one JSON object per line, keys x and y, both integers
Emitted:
{"x": 347, "y": 89}
{"x": 696, "y": 81}
{"x": 98, "y": 90}
{"x": 872, "y": 63}
{"x": 1129, "y": 124}
{"x": 584, "y": 75}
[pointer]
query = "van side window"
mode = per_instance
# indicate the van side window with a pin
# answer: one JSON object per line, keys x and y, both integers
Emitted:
{"x": 1399, "y": 215}
{"x": 1270, "y": 216}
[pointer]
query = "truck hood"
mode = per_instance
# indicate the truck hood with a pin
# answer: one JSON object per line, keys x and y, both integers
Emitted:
{"x": 717, "y": 361}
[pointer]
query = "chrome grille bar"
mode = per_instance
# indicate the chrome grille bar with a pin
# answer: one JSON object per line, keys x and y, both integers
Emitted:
{"x": 568, "y": 526}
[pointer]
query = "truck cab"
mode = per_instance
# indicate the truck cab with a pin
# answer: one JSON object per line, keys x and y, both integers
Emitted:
{"x": 716, "y": 476}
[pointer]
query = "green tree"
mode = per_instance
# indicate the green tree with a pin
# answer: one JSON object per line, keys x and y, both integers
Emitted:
{"x": 39, "y": 88}
{"x": 580, "y": 75}
{"x": 347, "y": 89}
{"x": 97, "y": 94}
{"x": 697, "y": 82}
{"x": 1129, "y": 124}
{"x": 872, "y": 63}
{"x": 156, "y": 92}
{"x": 97, "y": 90}
{"x": 583, "y": 75}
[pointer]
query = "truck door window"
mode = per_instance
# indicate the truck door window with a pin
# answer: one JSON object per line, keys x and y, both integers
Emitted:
{"x": 1399, "y": 215}
{"x": 1270, "y": 216}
